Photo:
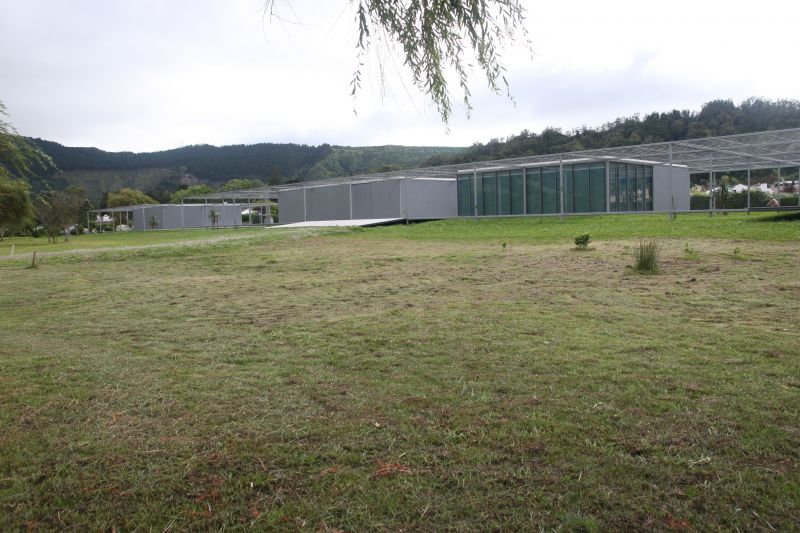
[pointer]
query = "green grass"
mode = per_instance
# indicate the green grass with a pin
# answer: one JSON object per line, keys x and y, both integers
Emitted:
{"x": 735, "y": 226}
{"x": 24, "y": 245}
{"x": 412, "y": 378}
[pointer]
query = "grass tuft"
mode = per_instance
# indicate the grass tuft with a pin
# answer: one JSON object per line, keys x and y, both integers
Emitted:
{"x": 645, "y": 257}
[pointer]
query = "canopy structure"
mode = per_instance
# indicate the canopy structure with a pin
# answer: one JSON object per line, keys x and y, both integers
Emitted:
{"x": 260, "y": 194}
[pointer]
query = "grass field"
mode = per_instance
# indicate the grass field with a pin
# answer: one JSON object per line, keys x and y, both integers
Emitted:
{"x": 415, "y": 378}
{"x": 23, "y": 245}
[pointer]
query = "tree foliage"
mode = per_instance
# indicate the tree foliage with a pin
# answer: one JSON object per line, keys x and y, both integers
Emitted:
{"x": 718, "y": 117}
{"x": 194, "y": 190}
{"x": 18, "y": 157}
{"x": 239, "y": 184}
{"x": 128, "y": 197}
{"x": 58, "y": 211}
{"x": 434, "y": 37}
{"x": 16, "y": 208}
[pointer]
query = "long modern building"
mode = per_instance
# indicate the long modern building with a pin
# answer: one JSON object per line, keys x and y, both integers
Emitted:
{"x": 494, "y": 189}
{"x": 630, "y": 179}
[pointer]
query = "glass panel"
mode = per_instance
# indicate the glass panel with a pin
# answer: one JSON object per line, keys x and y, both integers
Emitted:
{"x": 613, "y": 184}
{"x": 489, "y": 193}
{"x": 631, "y": 187}
{"x": 623, "y": 187}
{"x": 464, "y": 185}
{"x": 504, "y": 193}
{"x": 640, "y": 187}
{"x": 580, "y": 192}
{"x": 517, "y": 193}
{"x": 597, "y": 187}
{"x": 478, "y": 191}
{"x": 648, "y": 188}
{"x": 569, "y": 189}
{"x": 533, "y": 185}
{"x": 550, "y": 199}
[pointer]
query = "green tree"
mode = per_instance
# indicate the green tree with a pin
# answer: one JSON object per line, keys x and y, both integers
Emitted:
{"x": 16, "y": 208}
{"x": 239, "y": 184}
{"x": 435, "y": 37}
{"x": 128, "y": 197}
{"x": 18, "y": 159}
{"x": 58, "y": 211}
{"x": 194, "y": 190}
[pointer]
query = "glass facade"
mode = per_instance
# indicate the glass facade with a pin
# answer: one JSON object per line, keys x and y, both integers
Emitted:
{"x": 536, "y": 190}
{"x": 631, "y": 187}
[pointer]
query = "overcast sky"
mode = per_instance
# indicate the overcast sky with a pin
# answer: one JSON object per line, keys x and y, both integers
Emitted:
{"x": 147, "y": 75}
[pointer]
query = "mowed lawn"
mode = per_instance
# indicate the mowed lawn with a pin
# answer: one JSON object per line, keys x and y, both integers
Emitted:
{"x": 417, "y": 378}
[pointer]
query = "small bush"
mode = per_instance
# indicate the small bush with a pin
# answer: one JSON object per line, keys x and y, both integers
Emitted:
{"x": 645, "y": 256}
{"x": 690, "y": 252}
{"x": 582, "y": 241}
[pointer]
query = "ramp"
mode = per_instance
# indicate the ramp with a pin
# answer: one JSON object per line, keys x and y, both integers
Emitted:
{"x": 363, "y": 222}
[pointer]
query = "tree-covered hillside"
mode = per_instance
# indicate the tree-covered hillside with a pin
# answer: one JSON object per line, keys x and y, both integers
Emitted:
{"x": 719, "y": 117}
{"x": 162, "y": 173}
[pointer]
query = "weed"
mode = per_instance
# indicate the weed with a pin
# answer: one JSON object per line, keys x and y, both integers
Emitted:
{"x": 645, "y": 257}
{"x": 690, "y": 253}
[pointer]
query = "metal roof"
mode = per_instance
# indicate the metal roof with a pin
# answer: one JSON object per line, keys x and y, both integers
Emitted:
{"x": 123, "y": 208}
{"x": 765, "y": 149}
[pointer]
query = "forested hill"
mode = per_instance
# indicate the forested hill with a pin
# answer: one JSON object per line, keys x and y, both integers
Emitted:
{"x": 719, "y": 117}
{"x": 162, "y": 173}
{"x": 207, "y": 162}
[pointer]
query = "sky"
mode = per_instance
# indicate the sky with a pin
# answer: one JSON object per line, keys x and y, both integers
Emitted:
{"x": 146, "y": 75}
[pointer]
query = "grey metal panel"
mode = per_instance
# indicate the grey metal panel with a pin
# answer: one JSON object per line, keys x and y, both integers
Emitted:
{"x": 430, "y": 198}
{"x": 362, "y": 200}
{"x": 670, "y": 183}
{"x": 172, "y": 217}
{"x": 328, "y": 203}
{"x": 231, "y": 215}
{"x": 138, "y": 219}
{"x": 385, "y": 199}
{"x": 290, "y": 206}
{"x": 153, "y": 211}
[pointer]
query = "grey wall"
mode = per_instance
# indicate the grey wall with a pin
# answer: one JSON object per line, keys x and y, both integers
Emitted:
{"x": 186, "y": 216}
{"x": 377, "y": 199}
{"x": 430, "y": 198}
{"x": 330, "y": 202}
{"x": 669, "y": 183}
{"x": 290, "y": 206}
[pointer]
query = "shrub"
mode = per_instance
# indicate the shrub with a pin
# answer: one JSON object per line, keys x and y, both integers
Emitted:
{"x": 788, "y": 201}
{"x": 645, "y": 256}
{"x": 735, "y": 200}
{"x": 582, "y": 241}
